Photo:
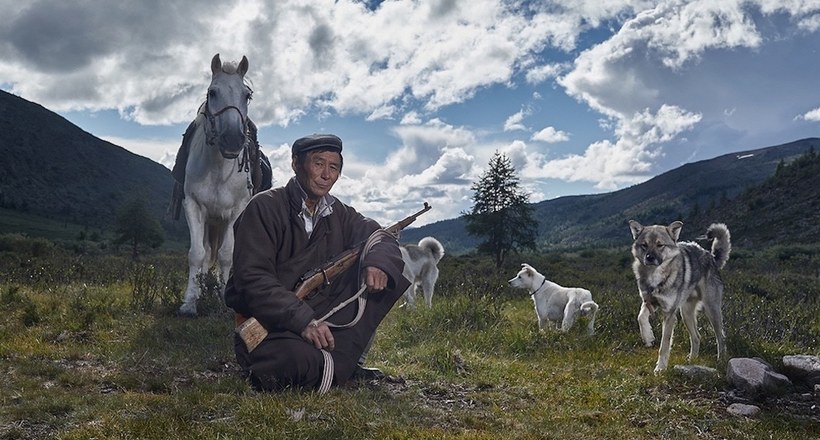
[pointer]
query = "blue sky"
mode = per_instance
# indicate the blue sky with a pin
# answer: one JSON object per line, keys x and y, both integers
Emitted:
{"x": 583, "y": 96}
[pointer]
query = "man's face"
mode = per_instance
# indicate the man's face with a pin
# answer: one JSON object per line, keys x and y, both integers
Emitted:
{"x": 318, "y": 173}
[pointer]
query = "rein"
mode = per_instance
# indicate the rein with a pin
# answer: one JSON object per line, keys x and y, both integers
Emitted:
{"x": 244, "y": 160}
{"x": 210, "y": 128}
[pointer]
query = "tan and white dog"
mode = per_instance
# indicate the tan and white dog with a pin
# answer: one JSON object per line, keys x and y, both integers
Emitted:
{"x": 556, "y": 303}
{"x": 421, "y": 268}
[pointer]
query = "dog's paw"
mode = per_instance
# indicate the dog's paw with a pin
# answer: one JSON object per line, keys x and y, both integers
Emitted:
{"x": 648, "y": 338}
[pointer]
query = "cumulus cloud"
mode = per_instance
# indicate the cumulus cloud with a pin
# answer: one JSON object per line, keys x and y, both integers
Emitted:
{"x": 639, "y": 78}
{"x": 550, "y": 135}
{"x": 514, "y": 122}
{"x": 321, "y": 55}
{"x": 626, "y": 161}
{"x": 163, "y": 151}
{"x": 539, "y": 74}
{"x": 813, "y": 115}
{"x": 658, "y": 74}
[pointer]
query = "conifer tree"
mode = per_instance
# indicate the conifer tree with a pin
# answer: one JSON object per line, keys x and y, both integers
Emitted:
{"x": 501, "y": 213}
{"x": 136, "y": 227}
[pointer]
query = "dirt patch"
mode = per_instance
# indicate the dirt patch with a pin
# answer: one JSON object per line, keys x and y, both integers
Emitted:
{"x": 801, "y": 404}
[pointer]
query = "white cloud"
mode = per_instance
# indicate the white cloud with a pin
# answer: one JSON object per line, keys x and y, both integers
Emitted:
{"x": 432, "y": 164}
{"x": 539, "y": 74}
{"x": 514, "y": 122}
{"x": 623, "y": 162}
{"x": 635, "y": 77}
{"x": 550, "y": 135}
{"x": 810, "y": 24}
{"x": 163, "y": 151}
{"x": 411, "y": 118}
{"x": 812, "y": 115}
{"x": 304, "y": 57}
{"x": 669, "y": 67}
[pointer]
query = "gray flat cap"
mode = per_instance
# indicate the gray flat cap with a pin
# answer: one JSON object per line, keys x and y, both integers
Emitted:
{"x": 315, "y": 141}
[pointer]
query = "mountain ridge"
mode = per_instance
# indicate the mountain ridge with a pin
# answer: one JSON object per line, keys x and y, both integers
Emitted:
{"x": 601, "y": 219}
{"x": 54, "y": 169}
{"x": 57, "y": 170}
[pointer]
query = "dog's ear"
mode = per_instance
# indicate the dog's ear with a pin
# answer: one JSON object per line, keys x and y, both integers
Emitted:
{"x": 530, "y": 269}
{"x": 674, "y": 229}
{"x": 636, "y": 228}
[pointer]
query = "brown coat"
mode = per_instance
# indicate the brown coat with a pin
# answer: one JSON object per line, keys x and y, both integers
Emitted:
{"x": 272, "y": 250}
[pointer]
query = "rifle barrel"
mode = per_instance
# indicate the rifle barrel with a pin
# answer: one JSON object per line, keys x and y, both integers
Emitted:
{"x": 315, "y": 278}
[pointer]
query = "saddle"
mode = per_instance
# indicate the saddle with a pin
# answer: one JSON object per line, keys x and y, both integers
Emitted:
{"x": 260, "y": 168}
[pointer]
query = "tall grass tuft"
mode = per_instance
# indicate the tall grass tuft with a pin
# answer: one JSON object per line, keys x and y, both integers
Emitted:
{"x": 155, "y": 285}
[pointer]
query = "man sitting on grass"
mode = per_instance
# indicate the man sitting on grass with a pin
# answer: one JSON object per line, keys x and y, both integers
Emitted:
{"x": 284, "y": 233}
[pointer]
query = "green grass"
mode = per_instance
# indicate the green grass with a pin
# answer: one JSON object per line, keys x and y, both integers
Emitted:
{"x": 81, "y": 356}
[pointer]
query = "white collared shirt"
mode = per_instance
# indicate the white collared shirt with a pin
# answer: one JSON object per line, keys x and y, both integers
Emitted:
{"x": 323, "y": 208}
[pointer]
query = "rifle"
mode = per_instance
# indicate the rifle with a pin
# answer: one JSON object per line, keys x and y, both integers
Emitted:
{"x": 252, "y": 332}
{"x": 322, "y": 276}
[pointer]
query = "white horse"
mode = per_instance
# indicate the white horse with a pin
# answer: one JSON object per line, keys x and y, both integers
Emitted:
{"x": 216, "y": 187}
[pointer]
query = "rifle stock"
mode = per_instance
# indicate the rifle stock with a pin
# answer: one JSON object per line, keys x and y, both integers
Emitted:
{"x": 322, "y": 276}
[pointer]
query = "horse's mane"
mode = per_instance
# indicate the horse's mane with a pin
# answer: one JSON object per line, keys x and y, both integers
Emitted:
{"x": 229, "y": 67}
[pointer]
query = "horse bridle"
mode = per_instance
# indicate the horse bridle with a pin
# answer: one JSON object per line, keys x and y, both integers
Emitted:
{"x": 243, "y": 162}
{"x": 210, "y": 135}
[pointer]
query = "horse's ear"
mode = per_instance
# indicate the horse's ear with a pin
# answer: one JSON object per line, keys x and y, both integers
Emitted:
{"x": 243, "y": 66}
{"x": 216, "y": 64}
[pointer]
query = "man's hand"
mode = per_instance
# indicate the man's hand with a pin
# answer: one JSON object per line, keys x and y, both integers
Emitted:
{"x": 375, "y": 279}
{"x": 318, "y": 334}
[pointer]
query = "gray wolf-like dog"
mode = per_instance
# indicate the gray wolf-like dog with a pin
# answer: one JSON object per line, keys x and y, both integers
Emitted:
{"x": 420, "y": 267}
{"x": 682, "y": 276}
{"x": 556, "y": 303}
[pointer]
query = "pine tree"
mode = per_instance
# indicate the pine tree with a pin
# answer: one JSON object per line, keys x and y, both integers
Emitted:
{"x": 136, "y": 227}
{"x": 501, "y": 212}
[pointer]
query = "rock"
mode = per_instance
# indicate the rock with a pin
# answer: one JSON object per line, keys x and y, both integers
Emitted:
{"x": 741, "y": 409}
{"x": 697, "y": 373}
{"x": 802, "y": 368}
{"x": 754, "y": 377}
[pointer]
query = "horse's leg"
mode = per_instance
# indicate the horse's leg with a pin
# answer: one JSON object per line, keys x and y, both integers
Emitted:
{"x": 196, "y": 255}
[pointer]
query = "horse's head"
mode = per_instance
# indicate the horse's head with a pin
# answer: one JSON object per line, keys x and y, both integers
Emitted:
{"x": 226, "y": 106}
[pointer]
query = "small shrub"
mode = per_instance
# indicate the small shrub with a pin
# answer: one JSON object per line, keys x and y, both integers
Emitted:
{"x": 21, "y": 244}
{"x": 13, "y": 299}
{"x": 153, "y": 284}
{"x": 210, "y": 299}
{"x": 11, "y": 296}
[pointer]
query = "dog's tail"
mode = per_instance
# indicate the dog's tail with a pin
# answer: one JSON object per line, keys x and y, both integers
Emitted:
{"x": 432, "y": 245}
{"x": 721, "y": 243}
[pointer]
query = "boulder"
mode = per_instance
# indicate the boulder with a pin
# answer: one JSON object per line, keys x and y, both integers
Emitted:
{"x": 802, "y": 368}
{"x": 754, "y": 377}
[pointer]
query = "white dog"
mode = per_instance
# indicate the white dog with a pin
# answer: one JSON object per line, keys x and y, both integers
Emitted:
{"x": 554, "y": 302}
{"x": 420, "y": 267}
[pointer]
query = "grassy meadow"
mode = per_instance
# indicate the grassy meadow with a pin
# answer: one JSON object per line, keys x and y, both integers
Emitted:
{"x": 90, "y": 348}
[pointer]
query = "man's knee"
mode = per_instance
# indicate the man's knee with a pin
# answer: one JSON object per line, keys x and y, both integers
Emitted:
{"x": 279, "y": 364}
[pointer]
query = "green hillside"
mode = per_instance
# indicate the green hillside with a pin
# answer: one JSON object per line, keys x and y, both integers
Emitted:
{"x": 53, "y": 169}
{"x": 600, "y": 219}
